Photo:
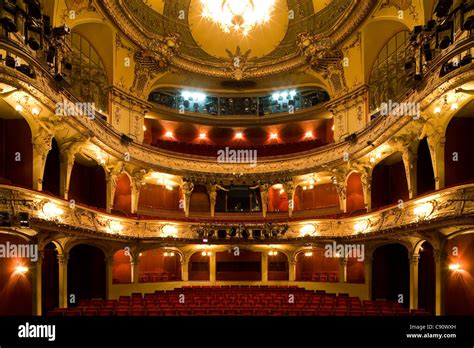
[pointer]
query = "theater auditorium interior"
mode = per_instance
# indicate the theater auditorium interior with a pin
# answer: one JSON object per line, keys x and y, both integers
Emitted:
{"x": 236, "y": 158}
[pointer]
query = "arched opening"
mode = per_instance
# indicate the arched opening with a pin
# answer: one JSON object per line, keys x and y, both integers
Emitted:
{"x": 355, "y": 194}
{"x": 16, "y": 150}
{"x": 322, "y": 196}
{"x": 158, "y": 197}
{"x": 122, "y": 268}
{"x": 426, "y": 278}
{"x": 424, "y": 169}
{"x": 459, "y": 291}
{"x": 278, "y": 268}
{"x": 15, "y": 283}
{"x": 52, "y": 170}
{"x": 389, "y": 183}
{"x": 86, "y": 273}
{"x": 198, "y": 267}
{"x": 199, "y": 202}
{"x": 277, "y": 198}
{"x": 88, "y": 78}
{"x": 314, "y": 266}
{"x": 238, "y": 198}
{"x": 123, "y": 195}
{"x": 49, "y": 278}
{"x": 391, "y": 274}
{"x": 159, "y": 265}
{"x": 87, "y": 185}
{"x": 245, "y": 265}
{"x": 459, "y": 152}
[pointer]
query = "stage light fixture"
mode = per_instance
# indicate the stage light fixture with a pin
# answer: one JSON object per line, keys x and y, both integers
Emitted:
{"x": 5, "y": 219}
{"x": 24, "y": 219}
{"x": 442, "y": 8}
{"x": 9, "y": 22}
{"x": 61, "y": 31}
{"x": 456, "y": 267}
{"x": 20, "y": 269}
{"x": 444, "y": 35}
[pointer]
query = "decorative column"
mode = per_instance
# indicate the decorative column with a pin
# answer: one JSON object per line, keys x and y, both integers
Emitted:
{"x": 264, "y": 267}
{"x": 136, "y": 186}
{"x": 185, "y": 269}
{"x": 292, "y": 270}
{"x": 109, "y": 264}
{"x": 41, "y": 146}
{"x": 135, "y": 261}
{"x": 410, "y": 163}
{"x": 343, "y": 270}
{"x": 63, "y": 295}
{"x": 368, "y": 276}
{"x": 65, "y": 170}
{"x": 67, "y": 157}
{"x": 440, "y": 261}
{"x": 414, "y": 260}
{"x": 36, "y": 285}
{"x": 290, "y": 192}
{"x": 212, "y": 267}
{"x": 436, "y": 144}
{"x": 111, "y": 185}
{"x": 366, "y": 179}
{"x": 264, "y": 198}
{"x": 187, "y": 187}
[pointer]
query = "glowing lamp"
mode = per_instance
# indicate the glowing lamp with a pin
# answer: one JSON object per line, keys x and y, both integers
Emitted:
{"x": 51, "y": 210}
{"x": 21, "y": 269}
{"x": 307, "y": 230}
{"x": 456, "y": 267}
{"x": 239, "y": 135}
{"x": 169, "y": 134}
{"x": 308, "y": 254}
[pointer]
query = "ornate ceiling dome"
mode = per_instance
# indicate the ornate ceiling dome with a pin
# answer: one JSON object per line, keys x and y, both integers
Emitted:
{"x": 174, "y": 33}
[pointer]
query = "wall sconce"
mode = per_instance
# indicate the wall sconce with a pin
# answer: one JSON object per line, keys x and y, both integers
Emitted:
{"x": 21, "y": 269}
{"x": 273, "y": 253}
{"x": 455, "y": 267}
{"x": 308, "y": 254}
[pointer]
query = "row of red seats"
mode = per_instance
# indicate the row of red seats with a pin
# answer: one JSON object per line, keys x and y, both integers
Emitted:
{"x": 331, "y": 277}
{"x": 236, "y": 301}
{"x": 262, "y": 150}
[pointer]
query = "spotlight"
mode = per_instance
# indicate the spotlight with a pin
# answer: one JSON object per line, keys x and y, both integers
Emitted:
{"x": 444, "y": 35}
{"x": 169, "y": 134}
{"x": 61, "y": 31}
{"x": 442, "y": 8}
{"x": 5, "y": 219}
{"x": 274, "y": 136}
{"x": 308, "y": 134}
{"x": 427, "y": 51}
{"x": 9, "y": 19}
{"x": 239, "y": 135}
{"x": 256, "y": 234}
{"x": 10, "y": 62}
{"x": 222, "y": 234}
{"x": 34, "y": 8}
{"x": 467, "y": 59}
{"x": 33, "y": 37}
{"x": 24, "y": 219}
{"x": 202, "y": 136}
{"x": 51, "y": 55}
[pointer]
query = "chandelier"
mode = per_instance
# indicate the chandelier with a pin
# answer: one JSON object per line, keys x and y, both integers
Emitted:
{"x": 238, "y": 15}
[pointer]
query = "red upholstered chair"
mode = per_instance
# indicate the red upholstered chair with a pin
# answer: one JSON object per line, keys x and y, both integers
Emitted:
{"x": 246, "y": 312}
{"x": 323, "y": 277}
{"x": 153, "y": 312}
{"x": 200, "y": 312}
{"x": 315, "y": 277}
